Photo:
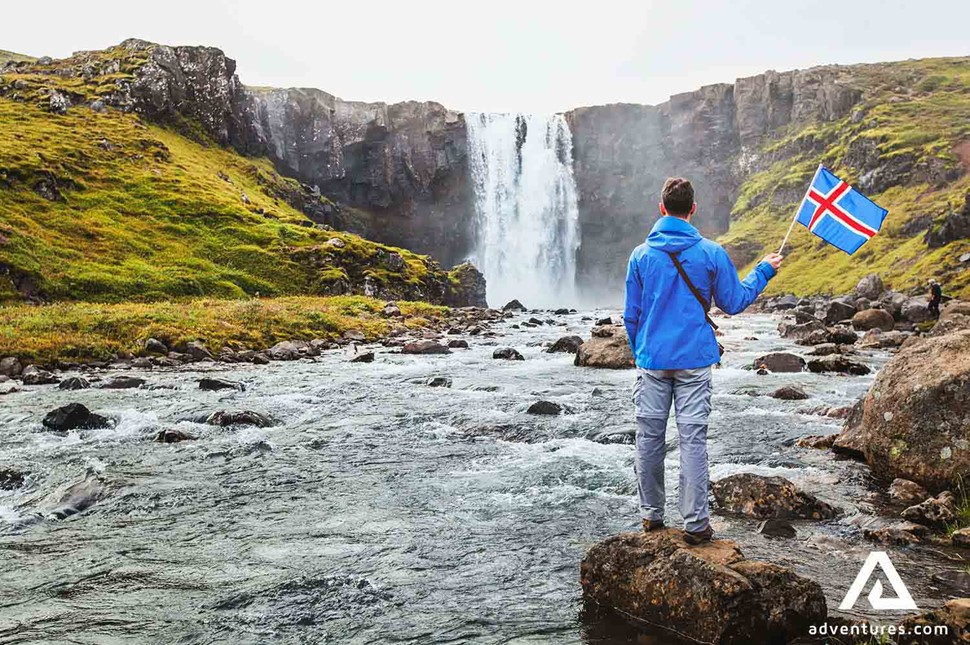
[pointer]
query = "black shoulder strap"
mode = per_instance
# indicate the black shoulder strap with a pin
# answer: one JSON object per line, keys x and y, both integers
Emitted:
{"x": 690, "y": 285}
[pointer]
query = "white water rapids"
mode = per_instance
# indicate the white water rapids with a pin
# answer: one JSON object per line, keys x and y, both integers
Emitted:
{"x": 526, "y": 207}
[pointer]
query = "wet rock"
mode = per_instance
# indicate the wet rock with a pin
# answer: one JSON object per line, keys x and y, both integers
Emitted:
{"x": 536, "y": 322}
{"x": 514, "y": 305}
{"x": 11, "y": 479}
{"x": 850, "y": 442}
{"x": 817, "y": 337}
{"x": 761, "y": 497}
{"x": 955, "y": 615}
{"x": 907, "y": 492}
{"x": 458, "y": 344}
{"x": 936, "y": 511}
{"x": 213, "y": 384}
{"x": 73, "y": 416}
{"x": 604, "y": 321}
{"x": 961, "y": 538}
{"x": 780, "y": 362}
{"x": 870, "y": 287}
{"x": 782, "y": 303}
{"x": 878, "y": 339}
{"x": 900, "y": 534}
{"x": 155, "y": 346}
{"x": 914, "y": 418}
{"x": 842, "y": 335}
{"x": 837, "y": 363}
{"x": 425, "y": 347}
{"x": 143, "y": 362}
{"x": 260, "y": 359}
{"x": 790, "y": 393}
{"x": 709, "y": 593}
{"x": 72, "y": 499}
{"x": 366, "y": 357}
{"x": 226, "y": 418}
{"x": 566, "y": 344}
{"x": 32, "y": 375}
{"x": 873, "y": 319}
{"x": 123, "y": 383}
{"x": 625, "y": 437}
{"x": 824, "y": 349}
{"x": 173, "y": 435}
{"x": 439, "y": 381}
{"x": 796, "y": 331}
{"x": 817, "y": 441}
{"x": 546, "y": 407}
{"x": 835, "y": 311}
{"x": 508, "y": 353}
{"x": 11, "y": 366}
{"x": 607, "y": 348}
{"x": 562, "y": 311}
{"x": 197, "y": 351}
{"x": 777, "y": 528}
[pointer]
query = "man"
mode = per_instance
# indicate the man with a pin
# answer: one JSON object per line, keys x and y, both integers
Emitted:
{"x": 936, "y": 297}
{"x": 675, "y": 347}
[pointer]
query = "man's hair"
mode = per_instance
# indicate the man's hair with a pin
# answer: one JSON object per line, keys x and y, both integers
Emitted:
{"x": 677, "y": 196}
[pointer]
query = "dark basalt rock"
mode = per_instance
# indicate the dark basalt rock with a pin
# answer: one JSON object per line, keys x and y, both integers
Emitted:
{"x": 514, "y": 305}
{"x": 439, "y": 381}
{"x": 458, "y": 344}
{"x": 777, "y": 528}
{"x": 366, "y": 357}
{"x": 123, "y": 383}
{"x": 208, "y": 384}
{"x": 32, "y": 375}
{"x": 74, "y": 416}
{"x": 425, "y": 347}
{"x": 566, "y": 344}
{"x": 790, "y": 393}
{"x": 508, "y": 354}
{"x": 227, "y": 418}
{"x": 11, "y": 479}
{"x": 837, "y": 363}
{"x": 546, "y": 407}
{"x": 173, "y": 435}
{"x": 780, "y": 362}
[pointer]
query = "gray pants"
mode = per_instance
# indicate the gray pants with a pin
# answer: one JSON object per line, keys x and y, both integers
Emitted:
{"x": 690, "y": 391}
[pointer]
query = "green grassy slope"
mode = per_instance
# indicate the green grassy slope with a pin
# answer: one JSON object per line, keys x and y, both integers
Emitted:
{"x": 913, "y": 127}
{"x": 103, "y": 206}
{"x": 6, "y": 57}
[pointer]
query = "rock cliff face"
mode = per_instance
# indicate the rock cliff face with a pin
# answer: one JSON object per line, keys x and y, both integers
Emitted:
{"x": 624, "y": 152}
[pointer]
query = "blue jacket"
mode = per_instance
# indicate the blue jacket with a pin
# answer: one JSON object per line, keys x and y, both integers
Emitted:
{"x": 664, "y": 321}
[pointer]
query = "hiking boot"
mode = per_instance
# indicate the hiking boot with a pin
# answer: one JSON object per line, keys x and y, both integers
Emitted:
{"x": 653, "y": 525}
{"x": 698, "y": 537}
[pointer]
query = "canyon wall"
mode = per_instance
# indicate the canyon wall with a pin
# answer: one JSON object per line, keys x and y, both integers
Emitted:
{"x": 624, "y": 152}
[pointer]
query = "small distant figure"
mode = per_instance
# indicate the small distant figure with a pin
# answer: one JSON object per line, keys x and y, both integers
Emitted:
{"x": 936, "y": 297}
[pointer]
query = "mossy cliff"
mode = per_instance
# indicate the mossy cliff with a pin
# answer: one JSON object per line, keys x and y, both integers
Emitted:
{"x": 899, "y": 131}
{"x": 115, "y": 188}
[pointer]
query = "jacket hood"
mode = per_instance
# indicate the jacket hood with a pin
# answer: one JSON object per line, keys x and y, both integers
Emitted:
{"x": 673, "y": 234}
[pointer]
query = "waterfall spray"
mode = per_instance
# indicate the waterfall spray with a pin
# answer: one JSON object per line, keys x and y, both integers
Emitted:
{"x": 527, "y": 215}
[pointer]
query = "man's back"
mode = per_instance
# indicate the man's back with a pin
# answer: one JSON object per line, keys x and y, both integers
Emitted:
{"x": 664, "y": 320}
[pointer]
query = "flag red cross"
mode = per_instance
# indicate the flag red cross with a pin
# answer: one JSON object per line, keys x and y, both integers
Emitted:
{"x": 828, "y": 204}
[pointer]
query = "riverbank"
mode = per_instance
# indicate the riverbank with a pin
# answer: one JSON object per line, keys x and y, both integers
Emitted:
{"x": 66, "y": 333}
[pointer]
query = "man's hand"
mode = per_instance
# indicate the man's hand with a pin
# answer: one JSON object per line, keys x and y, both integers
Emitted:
{"x": 774, "y": 259}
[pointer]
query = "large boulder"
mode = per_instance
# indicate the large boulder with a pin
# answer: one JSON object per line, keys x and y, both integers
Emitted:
{"x": 780, "y": 362}
{"x": 835, "y": 311}
{"x": 915, "y": 419}
{"x": 425, "y": 347}
{"x": 709, "y": 593}
{"x": 870, "y": 287}
{"x": 608, "y": 348}
{"x": 873, "y": 319}
{"x": 837, "y": 363}
{"x": 879, "y": 339}
{"x": 791, "y": 328}
{"x": 761, "y": 497}
{"x": 915, "y": 310}
{"x": 73, "y": 416}
{"x": 566, "y": 344}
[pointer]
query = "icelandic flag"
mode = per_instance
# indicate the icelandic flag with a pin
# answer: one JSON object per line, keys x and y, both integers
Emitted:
{"x": 838, "y": 213}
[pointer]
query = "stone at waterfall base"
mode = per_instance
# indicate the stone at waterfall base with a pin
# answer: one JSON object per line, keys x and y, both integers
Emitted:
{"x": 710, "y": 593}
{"x": 608, "y": 348}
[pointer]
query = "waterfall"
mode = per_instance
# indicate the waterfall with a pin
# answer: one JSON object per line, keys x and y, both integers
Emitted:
{"x": 527, "y": 216}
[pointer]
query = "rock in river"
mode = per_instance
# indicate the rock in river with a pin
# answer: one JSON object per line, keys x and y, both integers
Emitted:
{"x": 425, "y": 347}
{"x": 545, "y": 407}
{"x": 761, "y": 498}
{"x": 955, "y": 614}
{"x": 508, "y": 353}
{"x": 73, "y": 416}
{"x": 366, "y": 357}
{"x": 74, "y": 383}
{"x": 607, "y": 348}
{"x": 123, "y": 383}
{"x": 938, "y": 511}
{"x": 873, "y": 319}
{"x": 173, "y": 435}
{"x": 790, "y": 393}
{"x": 239, "y": 418}
{"x": 212, "y": 384}
{"x": 709, "y": 593}
{"x": 32, "y": 375}
{"x": 907, "y": 492}
{"x": 780, "y": 362}
{"x": 914, "y": 422}
{"x": 567, "y": 344}
{"x": 514, "y": 305}
{"x": 837, "y": 363}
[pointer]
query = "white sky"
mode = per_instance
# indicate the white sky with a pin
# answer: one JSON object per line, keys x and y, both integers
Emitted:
{"x": 499, "y": 55}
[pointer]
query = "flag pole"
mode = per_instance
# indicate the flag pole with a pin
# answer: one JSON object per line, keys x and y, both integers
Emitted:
{"x": 794, "y": 219}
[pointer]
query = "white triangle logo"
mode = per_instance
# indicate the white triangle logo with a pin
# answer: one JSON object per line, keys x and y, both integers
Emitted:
{"x": 902, "y": 600}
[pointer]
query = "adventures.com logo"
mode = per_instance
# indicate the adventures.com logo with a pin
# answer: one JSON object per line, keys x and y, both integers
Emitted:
{"x": 902, "y": 601}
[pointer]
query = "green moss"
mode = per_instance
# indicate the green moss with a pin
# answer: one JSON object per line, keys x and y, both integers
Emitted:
{"x": 6, "y": 57}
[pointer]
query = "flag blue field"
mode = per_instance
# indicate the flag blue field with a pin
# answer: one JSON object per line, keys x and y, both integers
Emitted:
{"x": 838, "y": 213}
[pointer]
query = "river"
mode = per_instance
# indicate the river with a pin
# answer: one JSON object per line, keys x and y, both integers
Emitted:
{"x": 384, "y": 510}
